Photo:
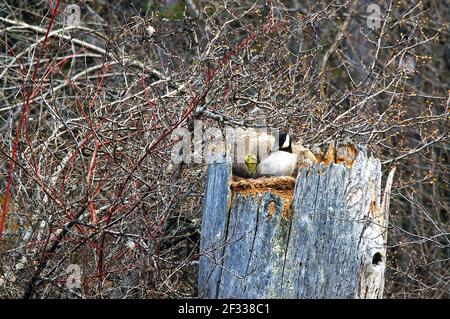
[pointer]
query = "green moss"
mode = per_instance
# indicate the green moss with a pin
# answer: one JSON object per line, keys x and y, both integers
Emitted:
{"x": 151, "y": 7}
{"x": 174, "y": 13}
{"x": 444, "y": 216}
{"x": 210, "y": 9}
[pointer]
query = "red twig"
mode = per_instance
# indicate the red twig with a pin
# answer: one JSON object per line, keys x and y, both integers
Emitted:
{"x": 195, "y": 101}
{"x": 88, "y": 182}
{"x": 148, "y": 98}
{"x": 23, "y": 118}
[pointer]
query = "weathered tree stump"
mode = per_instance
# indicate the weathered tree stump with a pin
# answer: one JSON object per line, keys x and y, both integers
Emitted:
{"x": 321, "y": 235}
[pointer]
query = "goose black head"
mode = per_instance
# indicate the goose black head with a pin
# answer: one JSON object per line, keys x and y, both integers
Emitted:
{"x": 284, "y": 142}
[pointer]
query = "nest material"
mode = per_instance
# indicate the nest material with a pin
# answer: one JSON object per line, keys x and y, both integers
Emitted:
{"x": 283, "y": 186}
{"x": 262, "y": 185}
{"x": 280, "y": 186}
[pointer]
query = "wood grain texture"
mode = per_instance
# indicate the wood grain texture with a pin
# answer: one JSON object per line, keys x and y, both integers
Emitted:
{"x": 330, "y": 245}
{"x": 214, "y": 227}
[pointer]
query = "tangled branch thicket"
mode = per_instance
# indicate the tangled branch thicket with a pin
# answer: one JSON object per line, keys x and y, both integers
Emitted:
{"x": 87, "y": 114}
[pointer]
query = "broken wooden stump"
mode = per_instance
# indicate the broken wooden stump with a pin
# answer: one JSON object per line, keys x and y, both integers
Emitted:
{"x": 320, "y": 235}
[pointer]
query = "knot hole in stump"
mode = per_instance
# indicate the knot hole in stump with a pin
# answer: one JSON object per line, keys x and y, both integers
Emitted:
{"x": 271, "y": 209}
{"x": 377, "y": 259}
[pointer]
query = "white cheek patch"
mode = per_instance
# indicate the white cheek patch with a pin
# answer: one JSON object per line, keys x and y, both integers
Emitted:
{"x": 286, "y": 142}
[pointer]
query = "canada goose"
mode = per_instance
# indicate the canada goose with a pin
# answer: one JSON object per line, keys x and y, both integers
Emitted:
{"x": 258, "y": 147}
{"x": 287, "y": 161}
{"x": 261, "y": 143}
{"x": 285, "y": 141}
{"x": 279, "y": 163}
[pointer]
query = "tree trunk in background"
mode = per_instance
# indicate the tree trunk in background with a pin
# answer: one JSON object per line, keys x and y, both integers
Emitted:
{"x": 321, "y": 235}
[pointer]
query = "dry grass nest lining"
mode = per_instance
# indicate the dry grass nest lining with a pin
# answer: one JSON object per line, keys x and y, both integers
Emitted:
{"x": 263, "y": 185}
{"x": 280, "y": 186}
